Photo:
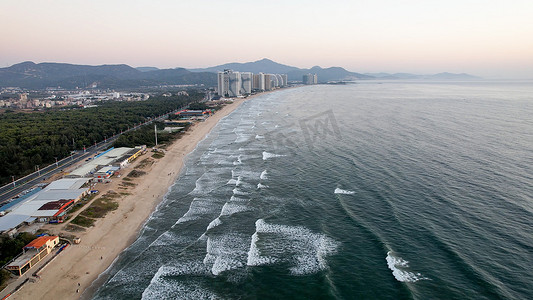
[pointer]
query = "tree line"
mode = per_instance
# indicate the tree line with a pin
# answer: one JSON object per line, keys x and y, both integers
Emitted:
{"x": 35, "y": 139}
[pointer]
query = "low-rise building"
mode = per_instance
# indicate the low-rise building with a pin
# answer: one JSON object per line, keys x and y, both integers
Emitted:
{"x": 32, "y": 253}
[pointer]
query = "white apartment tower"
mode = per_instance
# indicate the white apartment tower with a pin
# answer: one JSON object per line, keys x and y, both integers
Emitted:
{"x": 259, "y": 82}
{"x": 229, "y": 83}
{"x": 246, "y": 83}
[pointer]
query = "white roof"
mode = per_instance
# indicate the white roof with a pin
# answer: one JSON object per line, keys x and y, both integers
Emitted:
{"x": 83, "y": 170}
{"x": 107, "y": 169}
{"x": 30, "y": 208}
{"x": 11, "y": 220}
{"x": 67, "y": 184}
{"x": 103, "y": 160}
{"x": 66, "y": 188}
{"x": 60, "y": 194}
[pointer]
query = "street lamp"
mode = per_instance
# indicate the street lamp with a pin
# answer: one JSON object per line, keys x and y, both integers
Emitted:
{"x": 13, "y": 177}
{"x": 57, "y": 166}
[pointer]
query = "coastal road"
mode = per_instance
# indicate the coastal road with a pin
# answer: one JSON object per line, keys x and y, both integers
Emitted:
{"x": 11, "y": 190}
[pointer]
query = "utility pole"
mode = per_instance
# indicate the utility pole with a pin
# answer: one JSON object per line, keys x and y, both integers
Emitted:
{"x": 57, "y": 166}
{"x": 155, "y": 130}
{"x": 13, "y": 177}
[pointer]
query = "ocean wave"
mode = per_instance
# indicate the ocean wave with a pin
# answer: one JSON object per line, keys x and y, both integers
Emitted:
{"x": 267, "y": 155}
{"x": 214, "y": 223}
{"x": 232, "y": 208}
{"x": 226, "y": 252}
{"x": 198, "y": 208}
{"x": 305, "y": 250}
{"x": 399, "y": 267}
{"x": 341, "y": 191}
{"x": 163, "y": 286}
{"x": 261, "y": 186}
{"x": 263, "y": 175}
{"x": 236, "y": 191}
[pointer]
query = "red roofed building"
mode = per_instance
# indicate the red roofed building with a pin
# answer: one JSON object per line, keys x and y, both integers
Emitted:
{"x": 34, "y": 252}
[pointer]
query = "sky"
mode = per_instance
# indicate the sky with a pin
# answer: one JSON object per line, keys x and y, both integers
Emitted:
{"x": 488, "y": 38}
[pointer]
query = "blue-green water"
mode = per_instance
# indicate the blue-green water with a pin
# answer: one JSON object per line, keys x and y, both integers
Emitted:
{"x": 367, "y": 191}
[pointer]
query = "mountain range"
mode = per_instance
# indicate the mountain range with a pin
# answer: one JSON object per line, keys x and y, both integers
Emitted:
{"x": 266, "y": 65}
{"x": 38, "y": 76}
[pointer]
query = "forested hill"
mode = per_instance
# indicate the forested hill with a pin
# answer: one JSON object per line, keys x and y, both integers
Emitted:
{"x": 39, "y": 76}
{"x": 30, "y": 139}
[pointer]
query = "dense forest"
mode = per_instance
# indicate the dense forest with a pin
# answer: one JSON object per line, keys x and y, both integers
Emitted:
{"x": 145, "y": 136}
{"x": 31, "y": 139}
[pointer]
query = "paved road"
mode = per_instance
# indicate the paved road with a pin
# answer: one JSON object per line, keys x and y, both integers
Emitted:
{"x": 9, "y": 191}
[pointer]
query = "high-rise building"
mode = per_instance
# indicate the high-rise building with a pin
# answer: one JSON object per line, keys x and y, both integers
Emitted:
{"x": 259, "y": 82}
{"x": 229, "y": 83}
{"x": 246, "y": 83}
{"x": 269, "y": 84}
{"x": 223, "y": 84}
{"x": 279, "y": 80}
{"x": 285, "y": 78}
{"x": 310, "y": 79}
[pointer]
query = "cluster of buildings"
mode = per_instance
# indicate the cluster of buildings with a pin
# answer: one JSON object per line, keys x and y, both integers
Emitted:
{"x": 47, "y": 205}
{"x": 17, "y": 99}
{"x": 51, "y": 203}
{"x": 235, "y": 84}
{"x": 107, "y": 163}
{"x": 21, "y": 101}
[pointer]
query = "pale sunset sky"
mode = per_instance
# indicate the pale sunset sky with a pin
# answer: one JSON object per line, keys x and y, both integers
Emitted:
{"x": 488, "y": 38}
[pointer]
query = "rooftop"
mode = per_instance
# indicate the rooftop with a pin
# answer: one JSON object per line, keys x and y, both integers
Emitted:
{"x": 11, "y": 221}
{"x": 104, "y": 159}
{"x": 40, "y": 241}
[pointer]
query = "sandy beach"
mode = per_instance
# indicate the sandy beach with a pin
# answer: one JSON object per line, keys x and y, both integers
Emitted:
{"x": 76, "y": 268}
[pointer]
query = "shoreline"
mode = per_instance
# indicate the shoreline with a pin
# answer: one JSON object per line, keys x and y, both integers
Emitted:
{"x": 80, "y": 270}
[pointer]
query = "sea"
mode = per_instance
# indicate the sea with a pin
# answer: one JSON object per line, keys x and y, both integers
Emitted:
{"x": 371, "y": 190}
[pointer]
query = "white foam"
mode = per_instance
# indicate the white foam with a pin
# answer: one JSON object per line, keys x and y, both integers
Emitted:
{"x": 232, "y": 208}
{"x": 237, "y": 199}
{"x": 341, "y": 191}
{"x": 225, "y": 252}
{"x": 263, "y": 175}
{"x": 239, "y": 181}
{"x": 236, "y": 191}
{"x": 232, "y": 181}
{"x": 267, "y": 155}
{"x": 241, "y": 138}
{"x": 258, "y": 137}
{"x": 206, "y": 183}
{"x": 164, "y": 286}
{"x": 303, "y": 249}
{"x": 198, "y": 208}
{"x": 399, "y": 268}
{"x": 261, "y": 186}
{"x": 254, "y": 255}
{"x": 170, "y": 238}
{"x": 214, "y": 223}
